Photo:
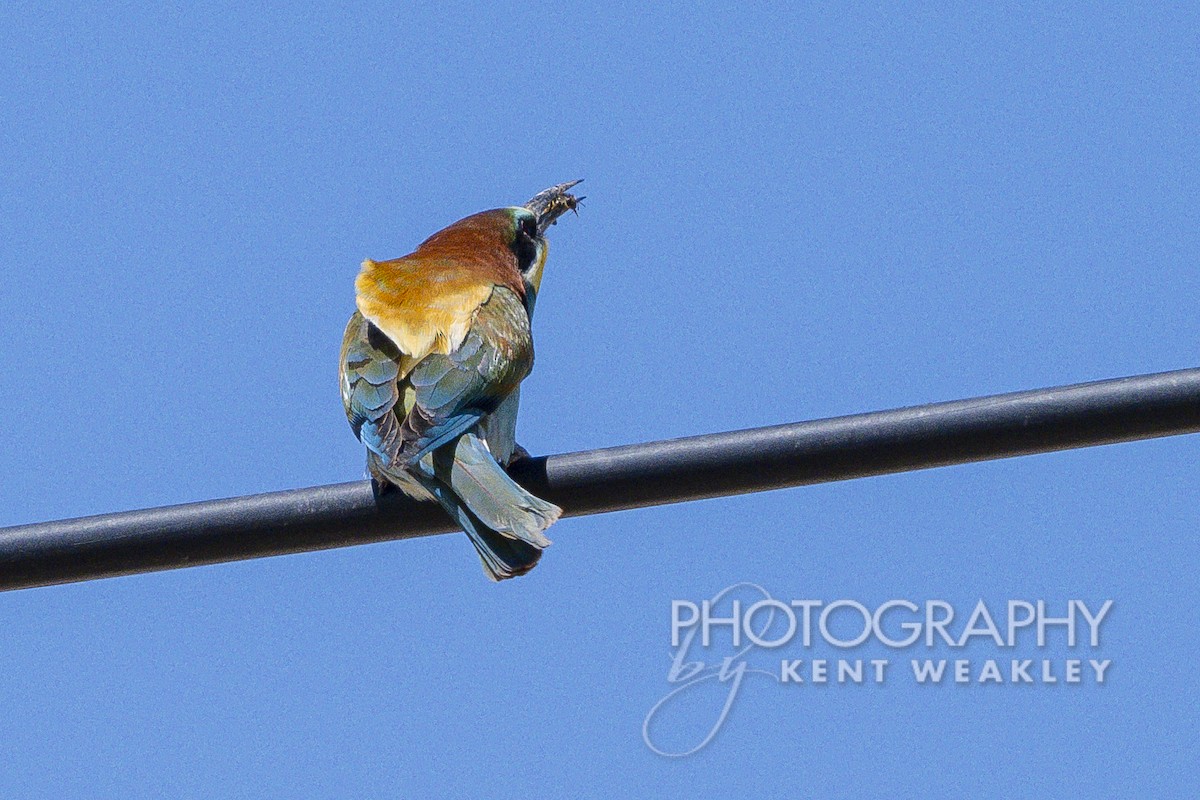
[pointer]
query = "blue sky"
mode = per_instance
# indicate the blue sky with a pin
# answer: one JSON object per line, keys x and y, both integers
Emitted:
{"x": 793, "y": 212}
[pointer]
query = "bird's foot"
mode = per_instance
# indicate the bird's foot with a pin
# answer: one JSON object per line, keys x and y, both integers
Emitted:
{"x": 518, "y": 454}
{"x": 381, "y": 487}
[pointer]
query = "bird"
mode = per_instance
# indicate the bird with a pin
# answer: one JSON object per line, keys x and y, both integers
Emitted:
{"x": 431, "y": 365}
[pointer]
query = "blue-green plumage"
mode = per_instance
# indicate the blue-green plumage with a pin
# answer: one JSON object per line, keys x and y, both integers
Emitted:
{"x": 503, "y": 520}
{"x": 430, "y": 369}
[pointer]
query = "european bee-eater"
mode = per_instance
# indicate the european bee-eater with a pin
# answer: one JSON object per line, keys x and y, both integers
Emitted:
{"x": 430, "y": 369}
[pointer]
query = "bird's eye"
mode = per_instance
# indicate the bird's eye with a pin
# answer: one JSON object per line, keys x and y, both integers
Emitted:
{"x": 529, "y": 227}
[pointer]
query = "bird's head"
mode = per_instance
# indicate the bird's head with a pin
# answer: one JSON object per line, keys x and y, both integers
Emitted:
{"x": 532, "y": 221}
{"x": 504, "y": 238}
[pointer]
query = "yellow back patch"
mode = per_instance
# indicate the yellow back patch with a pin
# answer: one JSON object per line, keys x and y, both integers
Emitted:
{"x": 423, "y": 308}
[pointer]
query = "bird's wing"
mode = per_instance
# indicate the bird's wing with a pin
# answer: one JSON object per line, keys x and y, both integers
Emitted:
{"x": 369, "y": 372}
{"x": 402, "y": 410}
{"x": 452, "y": 392}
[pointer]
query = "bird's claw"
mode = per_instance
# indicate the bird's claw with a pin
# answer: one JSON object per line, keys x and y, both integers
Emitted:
{"x": 518, "y": 454}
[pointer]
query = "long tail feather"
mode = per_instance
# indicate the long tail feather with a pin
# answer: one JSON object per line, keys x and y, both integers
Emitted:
{"x": 500, "y": 502}
{"x": 502, "y": 556}
{"x": 502, "y": 519}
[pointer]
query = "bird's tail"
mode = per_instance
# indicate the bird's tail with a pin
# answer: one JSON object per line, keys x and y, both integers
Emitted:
{"x": 499, "y": 501}
{"x": 502, "y": 556}
{"x": 505, "y": 522}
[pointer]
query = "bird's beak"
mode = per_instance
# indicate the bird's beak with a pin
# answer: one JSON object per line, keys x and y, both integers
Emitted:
{"x": 550, "y": 204}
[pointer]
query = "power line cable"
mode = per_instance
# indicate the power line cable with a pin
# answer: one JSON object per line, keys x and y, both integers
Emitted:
{"x": 615, "y": 478}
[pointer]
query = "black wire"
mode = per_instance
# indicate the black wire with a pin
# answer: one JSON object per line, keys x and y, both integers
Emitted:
{"x": 611, "y": 479}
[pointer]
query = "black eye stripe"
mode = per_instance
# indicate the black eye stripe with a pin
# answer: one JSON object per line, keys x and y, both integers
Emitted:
{"x": 524, "y": 246}
{"x": 525, "y": 250}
